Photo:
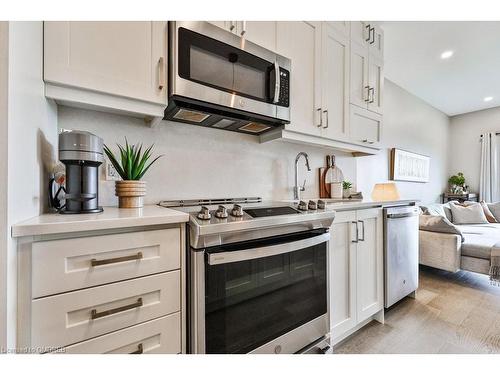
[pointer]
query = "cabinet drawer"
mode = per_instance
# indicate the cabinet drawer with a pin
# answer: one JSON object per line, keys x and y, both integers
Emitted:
{"x": 76, "y": 263}
{"x": 161, "y": 335}
{"x": 76, "y": 316}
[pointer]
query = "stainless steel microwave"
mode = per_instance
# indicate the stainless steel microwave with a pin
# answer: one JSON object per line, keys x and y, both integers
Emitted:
{"x": 221, "y": 80}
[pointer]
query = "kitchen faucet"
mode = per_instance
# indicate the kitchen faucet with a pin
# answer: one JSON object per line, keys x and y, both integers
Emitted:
{"x": 297, "y": 189}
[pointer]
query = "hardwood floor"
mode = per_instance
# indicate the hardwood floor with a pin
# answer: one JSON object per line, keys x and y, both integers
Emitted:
{"x": 452, "y": 313}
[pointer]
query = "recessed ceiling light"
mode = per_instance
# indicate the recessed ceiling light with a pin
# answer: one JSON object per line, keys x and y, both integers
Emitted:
{"x": 488, "y": 98}
{"x": 446, "y": 55}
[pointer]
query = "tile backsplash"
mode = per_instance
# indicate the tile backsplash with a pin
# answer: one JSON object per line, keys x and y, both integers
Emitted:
{"x": 206, "y": 163}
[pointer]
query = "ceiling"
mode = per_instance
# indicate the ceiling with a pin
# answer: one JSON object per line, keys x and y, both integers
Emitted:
{"x": 456, "y": 85}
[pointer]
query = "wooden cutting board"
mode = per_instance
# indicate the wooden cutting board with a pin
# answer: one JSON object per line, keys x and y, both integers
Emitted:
{"x": 323, "y": 193}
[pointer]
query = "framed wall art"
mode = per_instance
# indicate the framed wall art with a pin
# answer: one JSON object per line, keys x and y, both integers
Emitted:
{"x": 409, "y": 166}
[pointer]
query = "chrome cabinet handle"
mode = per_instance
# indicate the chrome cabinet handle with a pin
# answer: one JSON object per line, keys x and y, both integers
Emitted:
{"x": 231, "y": 25}
{"x": 372, "y": 90}
{"x": 244, "y": 28}
{"x": 95, "y": 315}
{"x": 372, "y": 35}
{"x": 277, "y": 82}
{"x": 367, "y": 99}
{"x": 161, "y": 74}
{"x": 369, "y": 32}
{"x": 357, "y": 232}
{"x": 94, "y": 262}
{"x": 140, "y": 350}
{"x": 320, "y": 118}
{"x": 326, "y": 113}
{"x": 367, "y": 141}
{"x": 362, "y": 230}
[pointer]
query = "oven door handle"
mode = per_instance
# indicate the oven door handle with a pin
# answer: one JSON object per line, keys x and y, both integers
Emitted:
{"x": 262, "y": 252}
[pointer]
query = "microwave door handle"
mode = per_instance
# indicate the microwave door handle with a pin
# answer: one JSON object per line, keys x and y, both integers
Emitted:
{"x": 262, "y": 252}
{"x": 277, "y": 82}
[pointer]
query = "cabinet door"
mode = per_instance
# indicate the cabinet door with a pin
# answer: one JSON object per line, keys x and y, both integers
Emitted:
{"x": 377, "y": 42}
{"x": 359, "y": 75}
{"x": 342, "y": 273}
{"x": 360, "y": 32}
{"x": 335, "y": 83}
{"x": 376, "y": 83}
{"x": 369, "y": 257}
{"x": 343, "y": 27}
{"x": 262, "y": 33}
{"x": 126, "y": 59}
{"x": 301, "y": 41}
{"x": 365, "y": 126}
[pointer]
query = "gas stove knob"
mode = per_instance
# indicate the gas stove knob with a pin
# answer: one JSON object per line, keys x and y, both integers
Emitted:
{"x": 312, "y": 205}
{"x": 237, "y": 211}
{"x": 221, "y": 212}
{"x": 302, "y": 206}
{"x": 204, "y": 213}
{"x": 321, "y": 205}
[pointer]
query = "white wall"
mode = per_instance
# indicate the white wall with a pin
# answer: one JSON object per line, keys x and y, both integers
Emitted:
{"x": 206, "y": 163}
{"x": 4, "y": 61}
{"x": 412, "y": 125}
{"x": 465, "y": 147}
{"x": 32, "y": 138}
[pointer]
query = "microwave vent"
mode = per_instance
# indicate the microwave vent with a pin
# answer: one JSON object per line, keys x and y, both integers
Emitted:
{"x": 191, "y": 116}
{"x": 254, "y": 127}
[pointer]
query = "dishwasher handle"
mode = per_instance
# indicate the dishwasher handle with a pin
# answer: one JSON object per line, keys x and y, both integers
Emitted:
{"x": 398, "y": 216}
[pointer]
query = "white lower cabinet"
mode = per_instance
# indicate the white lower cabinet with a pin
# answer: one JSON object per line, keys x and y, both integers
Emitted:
{"x": 103, "y": 292}
{"x": 356, "y": 271}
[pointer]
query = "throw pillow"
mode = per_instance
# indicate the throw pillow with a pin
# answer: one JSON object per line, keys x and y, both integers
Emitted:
{"x": 440, "y": 224}
{"x": 495, "y": 210}
{"x": 472, "y": 214}
{"x": 487, "y": 212}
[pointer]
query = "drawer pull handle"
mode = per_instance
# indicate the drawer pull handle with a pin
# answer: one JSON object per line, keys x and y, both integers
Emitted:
{"x": 139, "y": 350}
{"x": 95, "y": 315}
{"x": 94, "y": 262}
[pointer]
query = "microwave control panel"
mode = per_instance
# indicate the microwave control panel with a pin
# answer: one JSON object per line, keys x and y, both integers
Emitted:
{"x": 284, "y": 99}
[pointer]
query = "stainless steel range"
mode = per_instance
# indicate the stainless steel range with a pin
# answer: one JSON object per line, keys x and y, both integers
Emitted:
{"x": 257, "y": 275}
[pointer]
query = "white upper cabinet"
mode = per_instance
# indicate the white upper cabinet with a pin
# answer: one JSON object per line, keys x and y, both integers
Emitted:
{"x": 262, "y": 33}
{"x": 120, "y": 65}
{"x": 365, "y": 126}
{"x": 375, "y": 83}
{"x": 367, "y": 65}
{"x": 359, "y": 75}
{"x": 335, "y": 83}
{"x": 301, "y": 42}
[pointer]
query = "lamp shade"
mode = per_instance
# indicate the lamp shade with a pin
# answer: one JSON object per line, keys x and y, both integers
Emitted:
{"x": 385, "y": 192}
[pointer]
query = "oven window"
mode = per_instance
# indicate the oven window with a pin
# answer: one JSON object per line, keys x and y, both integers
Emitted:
{"x": 250, "y": 303}
{"x": 215, "y": 64}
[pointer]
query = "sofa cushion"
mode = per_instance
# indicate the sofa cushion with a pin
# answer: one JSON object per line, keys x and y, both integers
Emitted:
{"x": 436, "y": 209}
{"x": 478, "y": 239}
{"x": 438, "y": 223}
{"x": 472, "y": 214}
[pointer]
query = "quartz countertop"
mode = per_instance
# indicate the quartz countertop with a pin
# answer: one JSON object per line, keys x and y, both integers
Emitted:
{"x": 366, "y": 203}
{"x": 111, "y": 218}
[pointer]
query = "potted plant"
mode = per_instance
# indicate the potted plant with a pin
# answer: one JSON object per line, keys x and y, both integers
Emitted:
{"x": 347, "y": 186}
{"x": 131, "y": 165}
{"x": 457, "y": 183}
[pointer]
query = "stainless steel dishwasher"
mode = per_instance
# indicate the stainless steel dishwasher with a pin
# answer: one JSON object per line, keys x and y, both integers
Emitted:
{"x": 400, "y": 252}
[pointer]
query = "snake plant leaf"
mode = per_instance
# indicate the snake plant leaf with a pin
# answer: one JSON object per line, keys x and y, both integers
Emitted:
{"x": 132, "y": 163}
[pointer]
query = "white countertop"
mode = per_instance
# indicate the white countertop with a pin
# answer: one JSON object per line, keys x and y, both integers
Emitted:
{"x": 111, "y": 218}
{"x": 366, "y": 203}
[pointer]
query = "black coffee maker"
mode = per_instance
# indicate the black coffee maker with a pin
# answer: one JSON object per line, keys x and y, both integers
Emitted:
{"x": 81, "y": 152}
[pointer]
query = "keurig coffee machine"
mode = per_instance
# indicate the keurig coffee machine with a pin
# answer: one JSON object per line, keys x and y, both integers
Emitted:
{"x": 81, "y": 152}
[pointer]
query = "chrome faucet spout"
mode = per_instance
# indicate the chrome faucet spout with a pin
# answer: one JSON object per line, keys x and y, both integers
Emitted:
{"x": 297, "y": 189}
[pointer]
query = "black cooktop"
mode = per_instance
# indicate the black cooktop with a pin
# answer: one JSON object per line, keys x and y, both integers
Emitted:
{"x": 271, "y": 211}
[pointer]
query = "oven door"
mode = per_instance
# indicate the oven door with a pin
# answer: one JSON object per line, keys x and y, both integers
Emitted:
{"x": 215, "y": 66}
{"x": 263, "y": 296}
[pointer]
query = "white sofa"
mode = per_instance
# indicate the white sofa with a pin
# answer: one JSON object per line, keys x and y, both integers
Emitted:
{"x": 447, "y": 251}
